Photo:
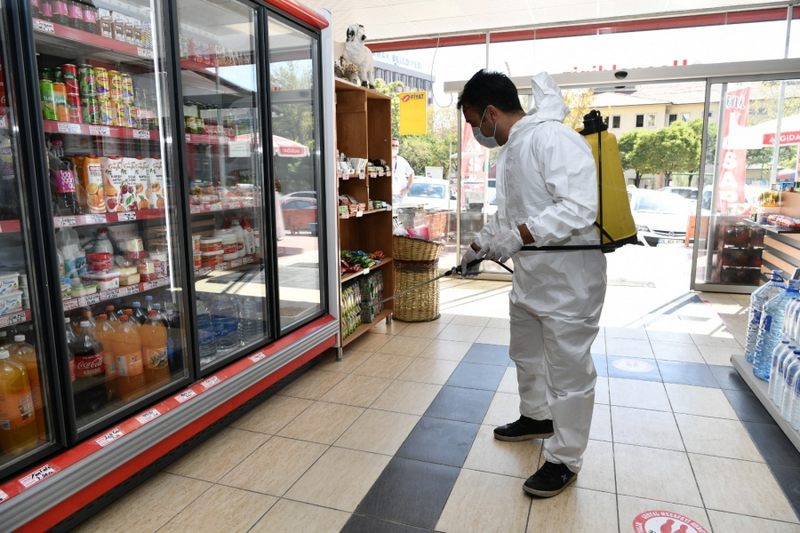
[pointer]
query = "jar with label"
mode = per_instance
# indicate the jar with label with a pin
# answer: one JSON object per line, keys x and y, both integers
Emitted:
{"x": 213, "y": 244}
{"x": 212, "y": 259}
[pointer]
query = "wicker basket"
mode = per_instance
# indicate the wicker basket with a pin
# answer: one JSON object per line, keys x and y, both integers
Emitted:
{"x": 416, "y": 262}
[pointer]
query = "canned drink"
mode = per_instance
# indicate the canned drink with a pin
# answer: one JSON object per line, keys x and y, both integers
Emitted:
{"x": 48, "y": 99}
{"x": 86, "y": 81}
{"x": 123, "y": 114}
{"x": 102, "y": 86}
{"x": 133, "y": 112}
{"x": 74, "y": 108}
{"x": 91, "y": 110}
{"x": 70, "y": 73}
{"x": 60, "y": 94}
{"x": 115, "y": 85}
{"x": 127, "y": 89}
{"x": 106, "y": 116}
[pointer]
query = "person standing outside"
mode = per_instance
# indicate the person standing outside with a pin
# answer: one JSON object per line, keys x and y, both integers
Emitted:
{"x": 546, "y": 196}
{"x": 402, "y": 173}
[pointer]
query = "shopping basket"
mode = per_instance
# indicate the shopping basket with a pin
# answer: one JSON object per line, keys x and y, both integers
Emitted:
{"x": 416, "y": 262}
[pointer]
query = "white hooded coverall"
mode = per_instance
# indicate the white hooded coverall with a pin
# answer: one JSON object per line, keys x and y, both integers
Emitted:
{"x": 546, "y": 179}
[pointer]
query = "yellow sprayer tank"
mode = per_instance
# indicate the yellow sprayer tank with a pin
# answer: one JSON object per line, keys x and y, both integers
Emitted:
{"x": 614, "y": 219}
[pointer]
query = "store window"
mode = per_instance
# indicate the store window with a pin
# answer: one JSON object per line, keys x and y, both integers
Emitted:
{"x": 296, "y": 167}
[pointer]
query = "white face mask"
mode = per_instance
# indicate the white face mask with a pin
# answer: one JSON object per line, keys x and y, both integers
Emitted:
{"x": 483, "y": 140}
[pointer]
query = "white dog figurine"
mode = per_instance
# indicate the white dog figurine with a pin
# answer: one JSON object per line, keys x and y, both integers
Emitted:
{"x": 358, "y": 54}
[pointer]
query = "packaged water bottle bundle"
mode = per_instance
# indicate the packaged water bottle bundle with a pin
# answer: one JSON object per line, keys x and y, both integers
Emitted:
{"x": 783, "y": 370}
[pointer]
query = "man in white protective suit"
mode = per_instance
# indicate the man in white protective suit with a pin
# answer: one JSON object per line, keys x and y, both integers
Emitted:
{"x": 546, "y": 196}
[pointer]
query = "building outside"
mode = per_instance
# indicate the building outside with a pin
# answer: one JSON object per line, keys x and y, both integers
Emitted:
{"x": 391, "y": 67}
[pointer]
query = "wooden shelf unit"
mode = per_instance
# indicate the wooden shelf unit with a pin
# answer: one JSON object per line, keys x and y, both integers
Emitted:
{"x": 364, "y": 129}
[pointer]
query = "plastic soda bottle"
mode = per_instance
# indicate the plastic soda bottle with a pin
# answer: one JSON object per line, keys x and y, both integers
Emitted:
{"x": 128, "y": 350}
{"x": 154, "y": 350}
{"x": 90, "y": 393}
{"x": 757, "y": 301}
{"x": 104, "y": 332}
{"x": 25, "y": 353}
{"x": 769, "y": 332}
{"x": 17, "y": 420}
{"x": 138, "y": 313}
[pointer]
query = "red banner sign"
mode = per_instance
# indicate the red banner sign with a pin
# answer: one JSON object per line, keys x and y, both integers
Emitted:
{"x": 787, "y": 137}
{"x": 733, "y": 163}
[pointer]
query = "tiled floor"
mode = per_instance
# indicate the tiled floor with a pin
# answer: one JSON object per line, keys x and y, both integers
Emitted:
{"x": 397, "y": 437}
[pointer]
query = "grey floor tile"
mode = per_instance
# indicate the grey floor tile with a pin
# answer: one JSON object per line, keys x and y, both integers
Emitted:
{"x": 633, "y": 368}
{"x": 487, "y": 354}
{"x": 410, "y": 492}
{"x": 687, "y": 373}
{"x": 435, "y": 440}
{"x": 728, "y": 378}
{"x": 368, "y": 524}
{"x": 476, "y": 376}
{"x": 747, "y": 406}
{"x": 778, "y": 451}
{"x": 465, "y": 405}
{"x": 789, "y": 480}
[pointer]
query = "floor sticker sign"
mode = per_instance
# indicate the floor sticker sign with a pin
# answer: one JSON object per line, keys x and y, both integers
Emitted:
{"x": 665, "y": 522}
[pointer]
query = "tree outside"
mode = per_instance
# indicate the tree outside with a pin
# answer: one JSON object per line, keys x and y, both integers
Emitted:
{"x": 674, "y": 149}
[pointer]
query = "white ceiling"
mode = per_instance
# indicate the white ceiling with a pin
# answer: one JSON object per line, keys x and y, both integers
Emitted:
{"x": 389, "y": 20}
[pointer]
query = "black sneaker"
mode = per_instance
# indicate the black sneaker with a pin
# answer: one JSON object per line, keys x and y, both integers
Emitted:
{"x": 524, "y": 429}
{"x": 549, "y": 480}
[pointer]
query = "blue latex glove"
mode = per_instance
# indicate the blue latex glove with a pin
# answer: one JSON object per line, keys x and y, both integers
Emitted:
{"x": 504, "y": 245}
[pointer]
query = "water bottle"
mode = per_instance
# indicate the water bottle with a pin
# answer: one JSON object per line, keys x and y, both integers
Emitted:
{"x": 251, "y": 325}
{"x": 769, "y": 331}
{"x": 782, "y": 351}
{"x": 205, "y": 332}
{"x": 225, "y": 316}
{"x": 790, "y": 319}
{"x": 757, "y": 301}
{"x": 790, "y": 383}
{"x": 794, "y": 406}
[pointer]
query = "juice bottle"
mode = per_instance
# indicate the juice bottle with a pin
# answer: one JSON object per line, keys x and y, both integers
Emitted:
{"x": 128, "y": 349}
{"x": 104, "y": 332}
{"x": 25, "y": 353}
{"x": 71, "y": 338}
{"x": 154, "y": 350}
{"x": 111, "y": 315}
{"x": 17, "y": 420}
{"x": 138, "y": 313}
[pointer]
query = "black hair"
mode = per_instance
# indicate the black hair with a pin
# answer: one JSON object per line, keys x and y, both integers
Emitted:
{"x": 490, "y": 88}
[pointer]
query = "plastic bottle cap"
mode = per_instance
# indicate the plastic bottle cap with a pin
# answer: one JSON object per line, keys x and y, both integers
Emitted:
{"x": 85, "y": 323}
{"x": 4, "y": 354}
{"x": 19, "y": 338}
{"x": 137, "y": 304}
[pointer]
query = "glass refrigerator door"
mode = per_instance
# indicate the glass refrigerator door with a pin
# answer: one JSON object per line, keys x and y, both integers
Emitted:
{"x": 25, "y": 407}
{"x": 105, "y": 111}
{"x": 225, "y": 171}
{"x": 294, "y": 90}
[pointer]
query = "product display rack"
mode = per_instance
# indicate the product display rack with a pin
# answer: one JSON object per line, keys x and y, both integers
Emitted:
{"x": 759, "y": 389}
{"x": 363, "y": 130}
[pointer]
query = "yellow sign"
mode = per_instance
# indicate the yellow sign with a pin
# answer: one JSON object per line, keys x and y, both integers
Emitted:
{"x": 414, "y": 113}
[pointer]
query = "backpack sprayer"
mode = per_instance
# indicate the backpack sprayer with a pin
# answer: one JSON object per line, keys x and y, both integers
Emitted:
{"x": 614, "y": 218}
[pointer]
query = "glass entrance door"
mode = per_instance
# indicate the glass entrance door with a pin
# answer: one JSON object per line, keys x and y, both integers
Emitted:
{"x": 750, "y": 165}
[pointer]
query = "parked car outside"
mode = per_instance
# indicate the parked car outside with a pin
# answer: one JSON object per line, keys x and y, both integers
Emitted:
{"x": 690, "y": 193}
{"x": 299, "y": 214}
{"x": 430, "y": 193}
{"x": 659, "y": 216}
{"x": 301, "y": 194}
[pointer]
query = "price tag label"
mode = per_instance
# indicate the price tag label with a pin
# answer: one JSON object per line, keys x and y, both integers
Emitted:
{"x": 256, "y": 357}
{"x": 65, "y": 222}
{"x": 365, "y": 272}
{"x": 3, "y": 496}
{"x": 70, "y": 304}
{"x": 359, "y": 214}
{"x": 141, "y": 134}
{"x": 146, "y": 53}
{"x": 126, "y": 217}
{"x": 210, "y": 382}
{"x": 43, "y": 26}
{"x": 68, "y": 127}
{"x": 185, "y": 396}
{"x": 36, "y": 476}
{"x": 100, "y": 131}
{"x": 10, "y": 320}
{"x": 147, "y": 416}
{"x": 150, "y": 285}
{"x": 94, "y": 219}
{"x": 109, "y": 437}
{"x": 93, "y": 299}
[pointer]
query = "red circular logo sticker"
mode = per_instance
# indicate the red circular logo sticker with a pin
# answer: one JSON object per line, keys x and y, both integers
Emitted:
{"x": 665, "y": 522}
